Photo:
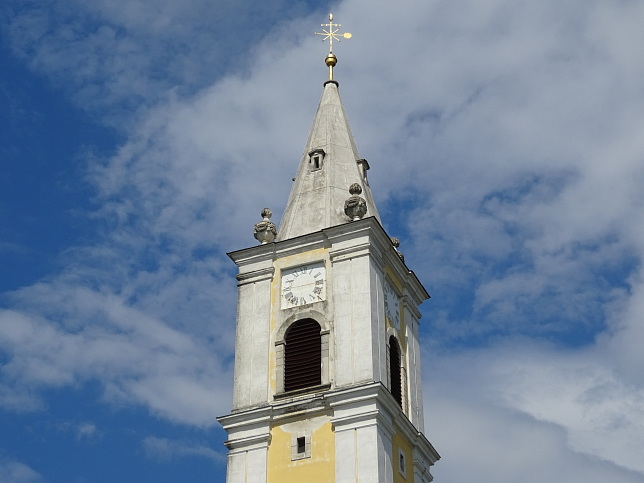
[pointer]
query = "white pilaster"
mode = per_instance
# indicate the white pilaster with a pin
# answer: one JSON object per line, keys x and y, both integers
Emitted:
{"x": 248, "y": 441}
{"x": 363, "y": 432}
{"x": 252, "y": 339}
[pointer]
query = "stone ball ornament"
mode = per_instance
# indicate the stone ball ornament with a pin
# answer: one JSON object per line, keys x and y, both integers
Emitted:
{"x": 265, "y": 231}
{"x": 355, "y": 207}
{"x": 396, "y": 243}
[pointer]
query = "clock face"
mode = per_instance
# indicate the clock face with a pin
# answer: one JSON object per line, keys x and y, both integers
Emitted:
{"x": 303, "y": 285}
{"x": 392, "y": 305}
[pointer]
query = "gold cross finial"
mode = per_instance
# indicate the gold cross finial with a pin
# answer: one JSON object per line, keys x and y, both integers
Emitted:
{"x": 331, "y": 34}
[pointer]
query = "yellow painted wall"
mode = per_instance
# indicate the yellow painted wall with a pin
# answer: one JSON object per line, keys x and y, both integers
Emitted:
{"x": 319, "y": 468}
{"x": 398, "y": 441}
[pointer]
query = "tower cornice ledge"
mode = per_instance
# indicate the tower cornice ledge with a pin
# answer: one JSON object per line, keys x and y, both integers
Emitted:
{"x": 344, "y": 238}
{"x": 256, "y": 275}
{"x": 362, "y": 405}
{"x": 413, "y": 308}
{"x": 347, "y": 239}
{"x": 275, "y": 250}
{"x": 247, "y": 429}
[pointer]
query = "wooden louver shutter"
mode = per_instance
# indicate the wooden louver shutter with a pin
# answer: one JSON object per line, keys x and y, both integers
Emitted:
{"x": 303, "y": 355}
{"x": 394, "y": 370}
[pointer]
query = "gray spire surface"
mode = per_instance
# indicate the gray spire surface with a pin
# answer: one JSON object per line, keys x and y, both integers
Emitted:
{"x": 330, "y": 165}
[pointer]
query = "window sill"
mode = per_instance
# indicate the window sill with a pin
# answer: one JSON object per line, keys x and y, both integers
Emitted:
{"x": 303, "y": 391}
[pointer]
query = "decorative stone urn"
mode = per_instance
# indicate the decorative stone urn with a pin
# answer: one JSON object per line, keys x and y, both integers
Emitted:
{"x": 355, "y": 207}
{"x": 265, "y": 231}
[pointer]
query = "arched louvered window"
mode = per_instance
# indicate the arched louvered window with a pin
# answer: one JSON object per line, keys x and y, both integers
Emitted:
{"x": 394, "y": 370}
{"x": 302, "y": 355}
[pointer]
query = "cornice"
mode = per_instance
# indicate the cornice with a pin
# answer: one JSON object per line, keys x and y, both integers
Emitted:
{"x": 411, "y": 306}
{"x": 248, "y": 417}
{"x": 351, "y": 239}
{"x": 255, "y": 276}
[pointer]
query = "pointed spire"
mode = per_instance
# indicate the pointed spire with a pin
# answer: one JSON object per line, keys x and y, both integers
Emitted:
{"x": 329, "y": 167}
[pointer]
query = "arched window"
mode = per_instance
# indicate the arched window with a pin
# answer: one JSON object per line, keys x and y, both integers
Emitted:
{"x": 395, "y": 379}
{"x": 302, "y": 355}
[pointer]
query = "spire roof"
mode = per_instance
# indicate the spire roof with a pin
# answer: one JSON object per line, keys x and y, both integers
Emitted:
{"x": 329, "y": 166}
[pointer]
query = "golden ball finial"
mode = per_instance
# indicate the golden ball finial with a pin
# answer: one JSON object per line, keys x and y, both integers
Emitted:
{"x": 331, "y": 34}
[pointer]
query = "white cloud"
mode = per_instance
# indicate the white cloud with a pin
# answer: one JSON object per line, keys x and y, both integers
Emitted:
{"x": 505, "y": 140}
{"x": 12, "y": 471}
{"x": 168, "y": 449}
{"x": 478, "y": 440}
{"x": 539, "y": 412}
{"x": 120, "y": 55}
{"x": 84, "y": 431}
{"x": 139, "y": 359}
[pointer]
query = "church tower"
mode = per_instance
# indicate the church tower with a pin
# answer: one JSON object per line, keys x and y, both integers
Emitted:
{"x": 327, "y": 383}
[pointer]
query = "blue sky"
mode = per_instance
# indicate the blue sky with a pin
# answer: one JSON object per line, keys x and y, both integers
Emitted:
{"x": 140, "y": 140}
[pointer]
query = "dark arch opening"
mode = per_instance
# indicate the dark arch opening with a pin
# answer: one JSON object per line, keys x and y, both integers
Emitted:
{"x": 394, "y": 370}
{"x": 302, "y": 355}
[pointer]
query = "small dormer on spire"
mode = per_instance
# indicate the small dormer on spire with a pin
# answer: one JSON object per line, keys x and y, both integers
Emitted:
{"x": 330, "y": 34}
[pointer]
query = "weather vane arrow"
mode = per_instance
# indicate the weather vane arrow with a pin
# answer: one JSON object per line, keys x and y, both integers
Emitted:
{"x": 331, "y": 33}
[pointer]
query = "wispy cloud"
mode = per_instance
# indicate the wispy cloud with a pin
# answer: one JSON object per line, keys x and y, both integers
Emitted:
{"x": 505, "y": 141}
{"x": 518, "y": 395}
{"x": 166, "y": 449}
{"x": 92, "y": 336}
{"x": 83, "y": 431}
{"x": 121, "y": 56}
{"x": 17, "y": 472}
